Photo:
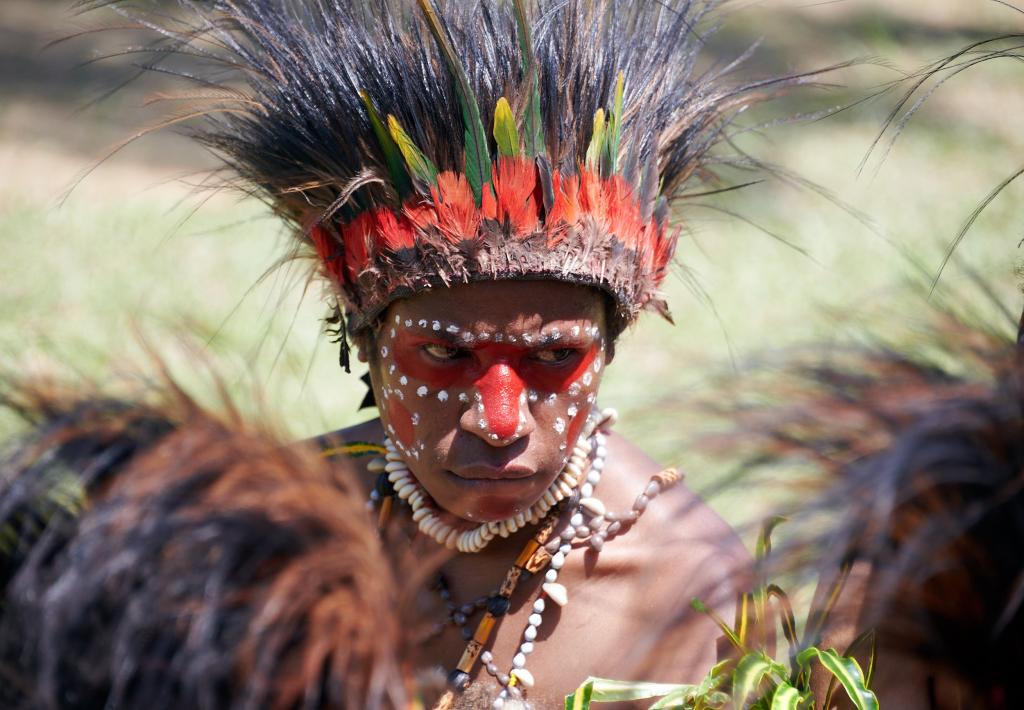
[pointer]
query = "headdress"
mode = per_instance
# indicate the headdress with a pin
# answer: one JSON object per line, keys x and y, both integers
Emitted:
{"x": 430, "y": 143}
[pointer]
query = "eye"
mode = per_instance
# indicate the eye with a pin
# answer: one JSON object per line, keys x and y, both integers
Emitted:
{"x": 554, "y": 356}
{"x": 441, "y": 352}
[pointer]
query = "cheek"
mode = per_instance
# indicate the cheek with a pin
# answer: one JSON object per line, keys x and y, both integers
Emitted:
{"x": 400, "y": 419}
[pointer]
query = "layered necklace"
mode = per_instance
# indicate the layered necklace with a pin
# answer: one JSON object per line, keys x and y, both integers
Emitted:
{"x": 590, "y": 524}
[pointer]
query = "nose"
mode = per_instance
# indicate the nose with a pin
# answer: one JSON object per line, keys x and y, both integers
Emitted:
{"x": 500, "y": 414}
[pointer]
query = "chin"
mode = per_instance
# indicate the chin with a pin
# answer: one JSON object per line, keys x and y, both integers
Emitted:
{"x": 493, "y": 506}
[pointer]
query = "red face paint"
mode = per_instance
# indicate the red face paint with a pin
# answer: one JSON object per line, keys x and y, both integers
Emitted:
{"x": 401, "y": 421}
{"x": 500, "y": 388}
{"x": 473, "y": 362}
{"x": 576, "y": 424}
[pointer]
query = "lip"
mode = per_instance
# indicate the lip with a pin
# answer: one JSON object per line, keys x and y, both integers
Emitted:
{"x": 483, "y": 472}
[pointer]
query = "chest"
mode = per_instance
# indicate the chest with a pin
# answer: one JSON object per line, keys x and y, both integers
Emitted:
{"x": 595, "y": 633}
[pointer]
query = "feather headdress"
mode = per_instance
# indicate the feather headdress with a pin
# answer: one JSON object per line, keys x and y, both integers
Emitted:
{"x": 420, "y": 144}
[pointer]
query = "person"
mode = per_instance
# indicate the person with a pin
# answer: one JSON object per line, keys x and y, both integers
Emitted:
{"x": 488, "y": 190}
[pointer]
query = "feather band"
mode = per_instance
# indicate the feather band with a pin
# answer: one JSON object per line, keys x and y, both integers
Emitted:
{"x": 593, "y": 234}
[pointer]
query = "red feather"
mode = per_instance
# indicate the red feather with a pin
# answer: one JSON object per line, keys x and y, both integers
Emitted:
{"x": 356, "y": 236}
{"x": 393, "y": 234}
{"x": 457, "y": 215}
{"x": 514, "y": 181}
{"x": 623, "y": 213}
{"x": 566, "y": 209}
{"x": 327, "y": 250}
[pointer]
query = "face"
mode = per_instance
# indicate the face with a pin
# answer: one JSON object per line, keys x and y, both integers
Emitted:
{"x": 485, "y": 388}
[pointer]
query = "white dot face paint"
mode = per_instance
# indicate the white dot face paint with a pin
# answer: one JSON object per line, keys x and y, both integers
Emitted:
{"x": 588, "y": 377}
{"x": 436, "y": 325}
{"x": 393, "y": 332}
{"x": 422, "y": 323}
{"x": 442, "y": 396}
{"x": 391, "y": 369}
{"x": 559, "y": 425}
{"x": 408, "y": 323}
{"x": 463, "y": 397}
{"x": 573, "y": 409}
{"x": 421, "y": 390}
{"x": 575, "y": 331}
{"x": 403, "y": 380}
{"x": 597, "y": 365}
{"x": 384, "y": 351}
{"x": 453, "y": 329}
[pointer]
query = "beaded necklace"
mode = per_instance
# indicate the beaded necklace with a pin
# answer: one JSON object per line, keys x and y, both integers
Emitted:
{"x": 589, "y": 524}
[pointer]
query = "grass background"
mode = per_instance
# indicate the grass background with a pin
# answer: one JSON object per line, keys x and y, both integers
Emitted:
{"x": 133, "y": 249}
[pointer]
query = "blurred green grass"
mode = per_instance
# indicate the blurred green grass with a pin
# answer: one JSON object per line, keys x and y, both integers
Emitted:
{"x": 124, "y": 254}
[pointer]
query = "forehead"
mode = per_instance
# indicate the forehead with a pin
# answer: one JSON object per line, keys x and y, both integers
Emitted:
{"x": 506, "y": 304}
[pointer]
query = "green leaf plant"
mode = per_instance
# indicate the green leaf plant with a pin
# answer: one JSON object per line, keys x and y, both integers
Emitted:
{"x": 753, "y": 678}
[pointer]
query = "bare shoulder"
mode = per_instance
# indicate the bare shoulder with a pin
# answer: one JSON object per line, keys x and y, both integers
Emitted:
{"x": 679, "y": 550}
{"x": 354, "y": 446}
{"x": 677, "y": 519}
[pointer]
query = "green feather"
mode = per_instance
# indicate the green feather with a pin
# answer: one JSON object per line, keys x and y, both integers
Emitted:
{"x": 505, "y": 133}
{"x": 614, "y": 132}
{"x": 533, "y": 123}
{"x": 418, "y": 164}
{"x": 478, "y": 158}
{"x": 593, "y": 160}
{"x": 392, "y": 153}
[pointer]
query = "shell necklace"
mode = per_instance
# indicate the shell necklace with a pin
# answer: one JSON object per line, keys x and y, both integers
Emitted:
{"x": 429, "y": 522}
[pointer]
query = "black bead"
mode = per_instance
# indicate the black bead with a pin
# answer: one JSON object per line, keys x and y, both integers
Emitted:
{"x": 458, "y": 680}
{"x": 497, "y": 606}
{"x": 384, "y": 487}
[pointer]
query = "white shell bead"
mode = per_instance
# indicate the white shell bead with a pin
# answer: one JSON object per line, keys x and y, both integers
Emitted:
{"x": 395, "y": 466}
{"x": 527, "y": 647}
{"x": 519, "y": 660}
{"x": 594, "y": 477}
{"x": 420, "y": 514}
{"x": 551, "y": 575}
{"x": 556, "y": 593}
{"x": 594, "y": 506}
{"x": 586, "y": 490}
{"x": 557, "y": 560}
{"x": 535, "y": 618}
{"x": 530, "y": 633}
{"x": 376, "y": 465}
{"x": 525, "y": 677}
{"x": 576, "y": 520}
{"x": 538, "y": 606}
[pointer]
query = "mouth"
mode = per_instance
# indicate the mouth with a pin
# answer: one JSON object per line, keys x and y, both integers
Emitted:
{"x": 493, "y": 474}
